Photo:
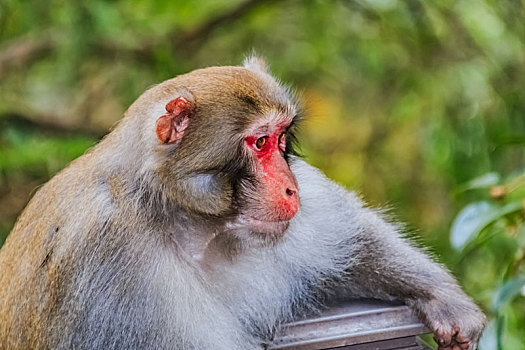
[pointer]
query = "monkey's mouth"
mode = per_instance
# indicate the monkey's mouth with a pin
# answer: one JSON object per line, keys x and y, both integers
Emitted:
{"x": 274, "y": 228}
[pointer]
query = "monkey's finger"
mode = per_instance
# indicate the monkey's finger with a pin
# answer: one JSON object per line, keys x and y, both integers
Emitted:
{"x": 443, "y": 339}
{"x": 461, "y": 338}
{"x": 464, "y": 346}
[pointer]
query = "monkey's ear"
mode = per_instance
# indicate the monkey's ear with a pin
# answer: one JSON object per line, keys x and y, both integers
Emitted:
{"x": 256, "y": 64}
{"x": 170, "y": 127}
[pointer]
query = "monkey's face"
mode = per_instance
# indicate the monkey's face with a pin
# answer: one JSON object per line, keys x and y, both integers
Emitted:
{"x": 227, "y": 143}
{"x": 272, "y": 200}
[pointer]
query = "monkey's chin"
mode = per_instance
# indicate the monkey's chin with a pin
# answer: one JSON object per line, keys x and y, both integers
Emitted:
{"x": 260, "y": 227}
{"x": 273, "y": 228}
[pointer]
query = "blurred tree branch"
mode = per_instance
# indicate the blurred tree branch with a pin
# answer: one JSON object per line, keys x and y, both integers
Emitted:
{"x": 204, "y": 30}
{"x": 41, "y": 124}
{"x": 23, "y": 51}
{"x": 185, "y": 39}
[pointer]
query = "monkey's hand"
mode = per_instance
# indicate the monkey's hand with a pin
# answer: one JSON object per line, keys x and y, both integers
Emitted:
{"x": 457, "y": 322}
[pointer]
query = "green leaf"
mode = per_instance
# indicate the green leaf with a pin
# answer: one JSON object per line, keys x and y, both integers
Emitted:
{"x": 427, "y": 342}
{"x": 500, "y": 331}
{"x": 509, "y": 208}
{"x": 469, "y": 222}
{"x": 475, "y": 217}
{"x": 507, "y": 292}
{"x": 483, "y": 181}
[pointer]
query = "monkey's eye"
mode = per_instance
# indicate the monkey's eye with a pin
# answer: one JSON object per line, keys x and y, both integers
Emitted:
{"x": 260, "y": 142}
{"x": 282, "y": 142}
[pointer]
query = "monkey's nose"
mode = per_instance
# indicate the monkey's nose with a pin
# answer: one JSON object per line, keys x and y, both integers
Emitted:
{"x": 291, "y": 202}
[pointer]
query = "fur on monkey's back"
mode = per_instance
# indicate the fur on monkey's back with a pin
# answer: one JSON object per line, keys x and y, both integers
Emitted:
{"x": 61, "y": 281}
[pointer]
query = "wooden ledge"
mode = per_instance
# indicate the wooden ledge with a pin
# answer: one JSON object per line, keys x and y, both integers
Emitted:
{"x": 356, "y": 325}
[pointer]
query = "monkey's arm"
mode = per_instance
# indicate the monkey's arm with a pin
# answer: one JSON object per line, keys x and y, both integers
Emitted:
{"x": 371, "y": 259}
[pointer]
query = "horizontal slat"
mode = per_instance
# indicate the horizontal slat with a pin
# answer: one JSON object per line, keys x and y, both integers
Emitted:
{"x": 406, "y": 343}
{"x": 350, "y": 323}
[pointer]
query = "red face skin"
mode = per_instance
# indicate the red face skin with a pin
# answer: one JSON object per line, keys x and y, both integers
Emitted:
{"x": 279, "y": 185}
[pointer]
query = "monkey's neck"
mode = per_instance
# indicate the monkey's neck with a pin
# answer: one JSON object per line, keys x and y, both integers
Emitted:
{"x": 206, "y": 243}
{"x": 213, "y": 254}
{"x": 197, "y": 245}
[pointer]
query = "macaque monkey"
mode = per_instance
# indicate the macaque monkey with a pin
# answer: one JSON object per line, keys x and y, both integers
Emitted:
{"x": 193, "y": 225}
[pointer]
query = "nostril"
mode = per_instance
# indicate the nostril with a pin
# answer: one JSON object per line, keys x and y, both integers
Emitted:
{"x": 290, "y": 192}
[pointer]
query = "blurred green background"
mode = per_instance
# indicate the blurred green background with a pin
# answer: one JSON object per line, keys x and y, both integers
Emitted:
{"x": 418, "y": 105}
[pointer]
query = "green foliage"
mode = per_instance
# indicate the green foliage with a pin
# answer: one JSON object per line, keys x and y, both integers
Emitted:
{"x": 407, "y": 102}
{"x": 38, "y": 155}
{"x": 478, "y": 230}
{"x": 476, "y": 217}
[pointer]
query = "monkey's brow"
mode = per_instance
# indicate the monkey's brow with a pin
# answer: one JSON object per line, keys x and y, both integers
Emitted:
{"x": 255, "y": 102}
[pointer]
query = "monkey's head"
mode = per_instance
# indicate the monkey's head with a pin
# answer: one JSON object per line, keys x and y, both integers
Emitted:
{"x": 221, "y": 140}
